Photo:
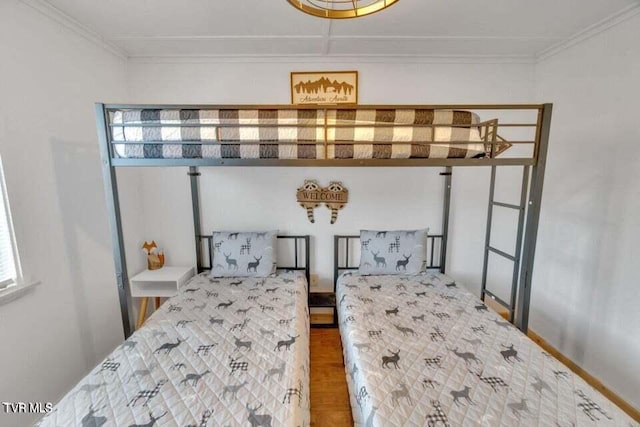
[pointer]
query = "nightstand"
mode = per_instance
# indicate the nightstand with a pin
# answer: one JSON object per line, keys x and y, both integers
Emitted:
{"x": 324, "y": 300}
{"x": 162, "y": 283}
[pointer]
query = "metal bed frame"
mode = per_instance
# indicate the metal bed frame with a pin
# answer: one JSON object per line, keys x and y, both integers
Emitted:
{"x": 528, "y": 207}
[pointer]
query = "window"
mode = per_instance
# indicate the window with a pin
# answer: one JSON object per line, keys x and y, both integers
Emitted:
{"x": 10, "y": 273}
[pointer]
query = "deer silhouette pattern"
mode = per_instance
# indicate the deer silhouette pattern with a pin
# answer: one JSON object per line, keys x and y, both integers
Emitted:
{"x": 204, "y": 419}
{"x": 232, "y": 390}
{"x": 401, "y": 393}
{"x": 279, "y": 372}
{"x": 391, "y": 360}
{"x": 231, "y": 262}
{"x": 510, "y": 354}
{"x": 246, "y": 248}
{"x": 401, "y": 265}
{"x": 167, "y": 347}
{"x": 393, "y": 252}
{"x": 194, "y": 378}
{"x": 258, "y": 420}
{"x": 253, "y": 265}
{"x": 93, "y": 420}
{"x": 246, "y": 345}
{"x": 152, "y": 420}
{"x": 462, "y": 355}
{"x": 462, "y": 396}
{"x": 147, "y": 395}
{"x": 249, "y": 254}
{"x": 380, "y": 261}
{"x": 182, "y": 359}
{"x": 286, "y": 343}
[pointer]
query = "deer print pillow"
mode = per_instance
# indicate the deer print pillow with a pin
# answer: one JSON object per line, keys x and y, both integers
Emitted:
{"x": 238, "y": 254}
{"x": 393, "y": 252}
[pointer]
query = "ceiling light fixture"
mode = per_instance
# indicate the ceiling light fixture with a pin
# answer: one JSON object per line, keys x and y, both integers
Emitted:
{"x": 341, "y": 9}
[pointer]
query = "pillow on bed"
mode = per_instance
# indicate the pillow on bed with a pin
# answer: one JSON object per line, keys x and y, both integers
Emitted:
{"x": 251, "y": 254}
{"x": 393, "y": 252}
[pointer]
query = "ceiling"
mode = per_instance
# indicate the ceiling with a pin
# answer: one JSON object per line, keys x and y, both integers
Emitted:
{"x": 248, "y": 28}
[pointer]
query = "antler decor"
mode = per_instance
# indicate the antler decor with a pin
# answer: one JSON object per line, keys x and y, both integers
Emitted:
{"x": 335, "y": 196}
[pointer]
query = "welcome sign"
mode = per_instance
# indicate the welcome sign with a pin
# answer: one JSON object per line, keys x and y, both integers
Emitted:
{"x": 311, "y": 195}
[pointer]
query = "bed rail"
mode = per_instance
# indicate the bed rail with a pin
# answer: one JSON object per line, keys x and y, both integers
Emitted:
{"x": 215, "y": 135}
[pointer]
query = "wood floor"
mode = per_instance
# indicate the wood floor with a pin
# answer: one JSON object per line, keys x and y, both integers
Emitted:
{"x": 329, "y": 395}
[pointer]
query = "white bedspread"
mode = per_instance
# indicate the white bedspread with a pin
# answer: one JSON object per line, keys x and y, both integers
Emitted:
{"x": 224, "y": 352}
{"x": 422, "y": 351}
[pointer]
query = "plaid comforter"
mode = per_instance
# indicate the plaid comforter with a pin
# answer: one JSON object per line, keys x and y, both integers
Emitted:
{"x": 296, "y": 133}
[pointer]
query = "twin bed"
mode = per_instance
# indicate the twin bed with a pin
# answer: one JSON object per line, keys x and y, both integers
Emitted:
{"x": 421, "y": 350}
{"x": 223, "y": 352}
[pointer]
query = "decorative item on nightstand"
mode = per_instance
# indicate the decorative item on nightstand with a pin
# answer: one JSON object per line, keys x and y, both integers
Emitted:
{"x": 155, "y": 257}
{"x": 160, "y": 283}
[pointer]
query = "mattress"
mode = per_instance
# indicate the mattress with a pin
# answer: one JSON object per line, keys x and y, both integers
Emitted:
{"x": 422, "y": 351}
{"x": 223, "y": 352}
{"x": 296, "y": 134}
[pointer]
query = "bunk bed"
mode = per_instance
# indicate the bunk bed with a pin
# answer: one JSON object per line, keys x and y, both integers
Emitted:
{"x": 422, "y": 350}
{"x": 446, "y": 136}
{"x": 224, "y": 351}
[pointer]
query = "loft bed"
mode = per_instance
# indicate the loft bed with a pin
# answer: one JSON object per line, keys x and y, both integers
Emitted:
{"x": 295, "y": 134}
{"x": 196, "y": 136}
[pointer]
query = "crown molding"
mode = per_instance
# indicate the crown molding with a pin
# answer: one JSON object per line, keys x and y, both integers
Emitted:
{"x": 333, "y": 59}
{"x": 222, "y": 37}
{"x": 61, "y": 18}
{"x": 326, "y": 35}
{"x": 589, "y": 32}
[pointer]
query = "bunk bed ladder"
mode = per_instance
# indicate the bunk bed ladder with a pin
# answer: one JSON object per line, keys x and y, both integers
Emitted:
{"x": 488, "y": 249}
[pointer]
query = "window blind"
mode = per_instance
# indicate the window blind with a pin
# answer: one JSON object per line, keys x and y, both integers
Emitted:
{"x": 8, "y": 270}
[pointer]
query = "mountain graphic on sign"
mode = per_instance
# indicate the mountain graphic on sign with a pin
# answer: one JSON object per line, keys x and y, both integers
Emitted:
{"x": 323, "y": 85}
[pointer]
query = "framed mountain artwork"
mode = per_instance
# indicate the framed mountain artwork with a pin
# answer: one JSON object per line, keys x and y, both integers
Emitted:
{"x": 324, "y": 87}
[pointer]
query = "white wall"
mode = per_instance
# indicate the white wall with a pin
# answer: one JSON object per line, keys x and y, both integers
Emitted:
{"x": 254, "y": 198}
{"x": 49, "y": 80}
{"x": 585, "y": 290}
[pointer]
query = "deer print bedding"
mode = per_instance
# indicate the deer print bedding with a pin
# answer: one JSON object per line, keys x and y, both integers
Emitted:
{"x": 422, "y": 351}
{"x": 223, "y": 352}
{"x": 249, "y": 254}
{"x": 385, "y": 252}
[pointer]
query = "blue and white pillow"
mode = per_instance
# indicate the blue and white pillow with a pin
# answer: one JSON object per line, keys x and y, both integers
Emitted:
{"x": 249, "y": 254}
{"x": 393, "y": 252}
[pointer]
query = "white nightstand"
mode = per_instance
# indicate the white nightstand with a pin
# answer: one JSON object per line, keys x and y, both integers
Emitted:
{"x": 162, "y": 283}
